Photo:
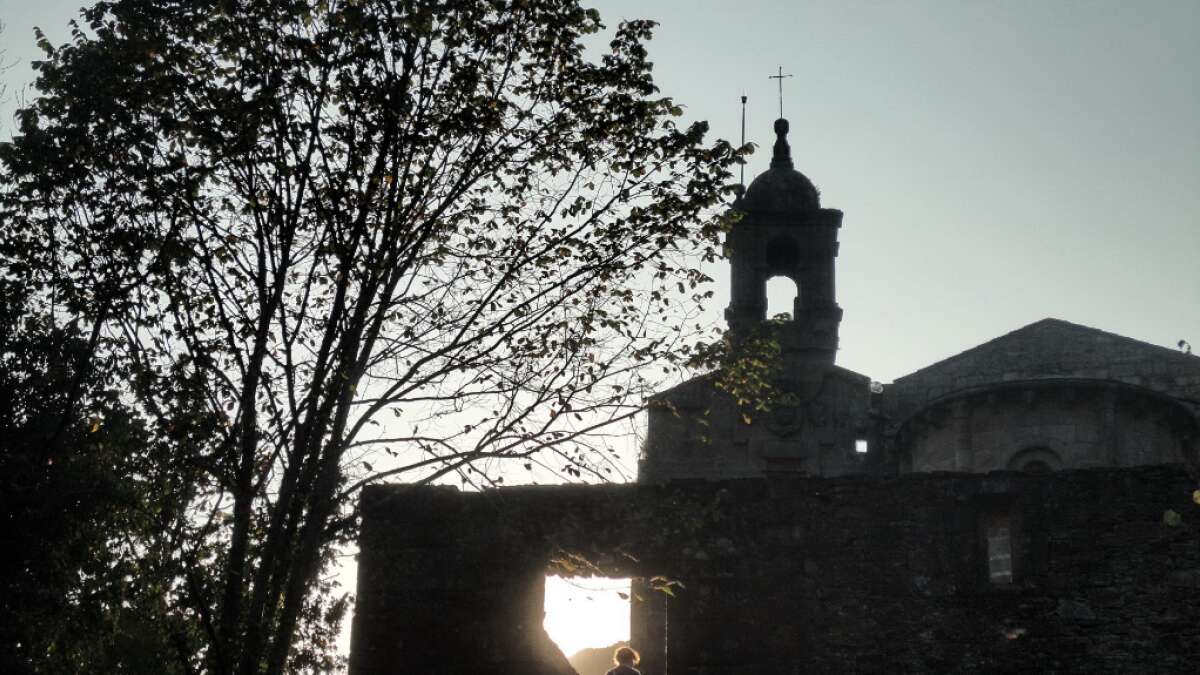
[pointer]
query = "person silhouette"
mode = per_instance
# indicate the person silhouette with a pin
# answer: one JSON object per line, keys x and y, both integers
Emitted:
{"x": 625, "y": 659}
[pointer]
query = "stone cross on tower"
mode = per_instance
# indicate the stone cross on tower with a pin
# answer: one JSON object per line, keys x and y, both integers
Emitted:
{"x": 780, "y": 77}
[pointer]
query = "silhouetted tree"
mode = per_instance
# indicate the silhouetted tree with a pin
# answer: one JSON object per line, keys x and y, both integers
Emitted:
{"x": 328, "y": 242}
{"x": 81, "y": 485}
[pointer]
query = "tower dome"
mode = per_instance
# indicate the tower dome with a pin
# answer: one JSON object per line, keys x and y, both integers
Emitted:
{"x": 781, "y": 188}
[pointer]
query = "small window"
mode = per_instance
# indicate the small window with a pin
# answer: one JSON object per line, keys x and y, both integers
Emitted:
{"x": 999, "y": 550}
{"x": 1036, "y": 467}
{"x": 861, "y": 446}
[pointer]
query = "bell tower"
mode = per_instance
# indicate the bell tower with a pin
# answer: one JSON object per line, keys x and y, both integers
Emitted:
{"x": 783, "y": 231}
{"x": 820, "y": 421}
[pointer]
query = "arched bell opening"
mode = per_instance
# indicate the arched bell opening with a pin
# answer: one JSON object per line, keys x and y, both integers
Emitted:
{"x": 783, "y": 298}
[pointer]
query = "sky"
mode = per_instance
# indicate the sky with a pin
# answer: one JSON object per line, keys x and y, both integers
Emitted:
{"x": 997, "y": 162}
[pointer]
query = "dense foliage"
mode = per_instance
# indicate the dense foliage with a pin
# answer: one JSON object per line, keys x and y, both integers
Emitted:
{"x": 295, "y": 246}
{"x": 81, "y": 486}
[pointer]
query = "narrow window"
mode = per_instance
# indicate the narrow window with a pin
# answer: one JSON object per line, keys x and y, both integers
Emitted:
{"x": 999, "y": 550}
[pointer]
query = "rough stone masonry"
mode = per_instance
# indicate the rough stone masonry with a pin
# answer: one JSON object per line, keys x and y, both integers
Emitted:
{"x": 1019, "y": 507}
{"x": 795, "y": 575}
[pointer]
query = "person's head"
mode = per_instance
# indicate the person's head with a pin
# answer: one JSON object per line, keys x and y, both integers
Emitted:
{"x": 625, "y": 656}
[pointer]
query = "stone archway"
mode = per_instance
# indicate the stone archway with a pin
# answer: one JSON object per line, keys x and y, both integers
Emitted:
{"x": 1037, "y": 460}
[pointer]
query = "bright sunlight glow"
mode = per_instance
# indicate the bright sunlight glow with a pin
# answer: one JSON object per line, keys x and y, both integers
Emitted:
{"x": 586, "y": 612}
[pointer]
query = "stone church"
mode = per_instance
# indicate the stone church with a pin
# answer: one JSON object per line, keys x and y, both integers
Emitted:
{"x": 1024, "y": 506}
{"x": 1051, "y": 395}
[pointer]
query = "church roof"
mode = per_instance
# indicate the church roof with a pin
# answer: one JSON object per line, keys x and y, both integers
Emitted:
{"x": 1053, "y": 345}
{"x": 1054, "y": 349}
{"x": 781, "y": 188}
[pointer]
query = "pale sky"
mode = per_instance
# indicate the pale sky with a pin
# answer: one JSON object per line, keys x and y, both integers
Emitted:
{"x": 997, "y": 162}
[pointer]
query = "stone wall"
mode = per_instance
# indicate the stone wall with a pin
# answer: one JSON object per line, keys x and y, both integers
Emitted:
{"x": 812, "y": 575}
{"x": 1062, "y": 424}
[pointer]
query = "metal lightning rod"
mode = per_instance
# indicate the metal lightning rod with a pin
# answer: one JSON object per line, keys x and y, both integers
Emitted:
{"x": 742, "y": 180}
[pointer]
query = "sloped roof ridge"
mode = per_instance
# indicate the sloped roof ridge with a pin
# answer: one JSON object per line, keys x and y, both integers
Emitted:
{"x": 1165, "y": 351}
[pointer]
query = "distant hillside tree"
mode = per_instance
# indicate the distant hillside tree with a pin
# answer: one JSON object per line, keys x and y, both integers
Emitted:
{"x": 327, "y": 242}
